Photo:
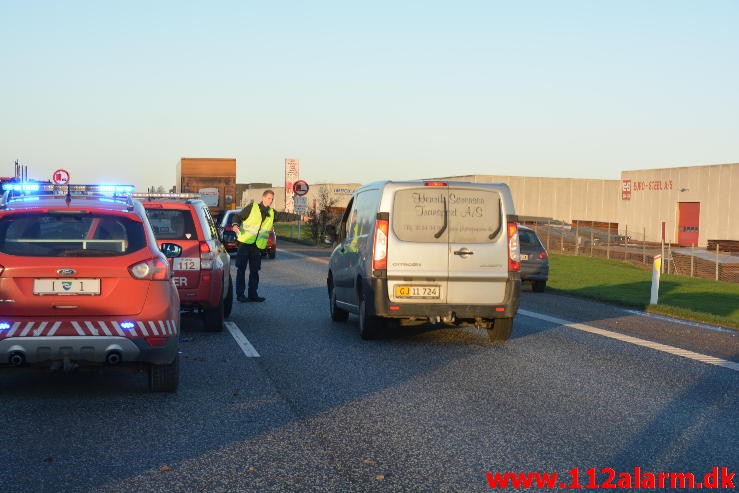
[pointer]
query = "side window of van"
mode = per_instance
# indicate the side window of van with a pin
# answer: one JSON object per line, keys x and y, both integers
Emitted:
{"x": 361, "y": 218}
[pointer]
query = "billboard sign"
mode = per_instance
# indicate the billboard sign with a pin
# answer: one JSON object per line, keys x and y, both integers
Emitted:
{"x": 292, "y": 174}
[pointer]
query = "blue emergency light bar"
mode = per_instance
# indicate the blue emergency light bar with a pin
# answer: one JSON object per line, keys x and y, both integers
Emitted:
{"x": 24, "y": 190}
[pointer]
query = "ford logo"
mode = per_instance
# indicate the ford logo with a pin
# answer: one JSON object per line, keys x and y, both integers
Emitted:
{"x": 66, "y": 272}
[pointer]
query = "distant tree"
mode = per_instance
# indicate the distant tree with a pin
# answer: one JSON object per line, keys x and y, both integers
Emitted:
{"x": 156, "y": 189}
{"x": 321, "y": 215}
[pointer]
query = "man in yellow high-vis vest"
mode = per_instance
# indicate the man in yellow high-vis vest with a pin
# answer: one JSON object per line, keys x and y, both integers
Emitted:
{"x": 252, "y": 226}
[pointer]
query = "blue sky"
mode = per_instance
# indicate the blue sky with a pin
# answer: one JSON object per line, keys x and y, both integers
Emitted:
{"x": 119, "y": 91}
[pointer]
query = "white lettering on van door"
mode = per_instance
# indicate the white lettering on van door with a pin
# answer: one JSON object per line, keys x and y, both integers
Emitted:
{"x": 180, "y": 282}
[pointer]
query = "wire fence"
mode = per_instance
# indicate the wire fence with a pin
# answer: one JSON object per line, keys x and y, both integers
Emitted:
{"x": 719, "y": 261}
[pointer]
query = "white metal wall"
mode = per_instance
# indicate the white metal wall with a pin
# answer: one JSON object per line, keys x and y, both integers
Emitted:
{"x": 655, "y": 194}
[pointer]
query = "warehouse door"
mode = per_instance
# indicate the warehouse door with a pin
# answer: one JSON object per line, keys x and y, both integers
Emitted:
{"x": 688, "y": 220}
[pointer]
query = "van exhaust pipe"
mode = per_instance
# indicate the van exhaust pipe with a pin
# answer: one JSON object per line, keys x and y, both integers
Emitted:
{"x": 16, "y": 358}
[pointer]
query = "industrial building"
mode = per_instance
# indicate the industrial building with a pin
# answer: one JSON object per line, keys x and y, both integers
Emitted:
{"x": 684, "y": 205}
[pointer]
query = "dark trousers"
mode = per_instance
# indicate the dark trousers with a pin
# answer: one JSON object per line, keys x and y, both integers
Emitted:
{"x": 248, "y": 255}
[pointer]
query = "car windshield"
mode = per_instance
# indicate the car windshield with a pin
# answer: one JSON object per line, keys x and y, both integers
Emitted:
{"x": 172, "y": 224}
{"x": 65, "y": 234}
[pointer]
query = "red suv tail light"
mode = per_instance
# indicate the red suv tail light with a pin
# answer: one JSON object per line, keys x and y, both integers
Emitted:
{"x": 543, "y": 255}
{"x": 1, "y": 270}
{"x": 154, "y": 270}
{"x": 514, "y": 252}
{"x": 206, "y": 256}
{"x": 379, "y": 256}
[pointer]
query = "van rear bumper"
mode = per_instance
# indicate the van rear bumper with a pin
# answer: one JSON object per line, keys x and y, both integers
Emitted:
{"x": 382, "y": 305}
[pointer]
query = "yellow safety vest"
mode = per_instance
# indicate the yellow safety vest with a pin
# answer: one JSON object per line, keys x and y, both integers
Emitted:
{"x": 254, "y": 230}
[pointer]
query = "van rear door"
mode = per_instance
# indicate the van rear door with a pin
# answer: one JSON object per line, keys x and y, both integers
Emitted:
{"x": 478, "y": 246}
{"x": 418, "y": 259}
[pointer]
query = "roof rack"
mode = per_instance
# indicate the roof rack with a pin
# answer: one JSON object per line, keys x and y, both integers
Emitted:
{"x": 165, "y": 195}
{"x": 20, "y": 190}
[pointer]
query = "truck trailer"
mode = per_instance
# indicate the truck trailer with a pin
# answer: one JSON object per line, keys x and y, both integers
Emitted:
{"x": 213, "y": 178}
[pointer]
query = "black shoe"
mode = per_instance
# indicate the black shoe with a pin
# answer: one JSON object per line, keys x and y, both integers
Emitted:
{"x": 257, "y": 299}
{"x": 242, "y": 298}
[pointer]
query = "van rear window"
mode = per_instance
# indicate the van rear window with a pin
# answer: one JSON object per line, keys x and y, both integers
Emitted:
{"x": 446, "y": 215}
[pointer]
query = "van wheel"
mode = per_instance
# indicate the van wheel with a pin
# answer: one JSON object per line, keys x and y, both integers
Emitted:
{"x": 165, "y": 378}
{"x": 228, "y": 303}
{"x": 214, "y": 318}
{"x": 538, "y": 286}
{"x": 337, "y": 314}
{"x": 272, "y": 254}
{"x": 501, "y": 330}
{"x": 368, "y": 325}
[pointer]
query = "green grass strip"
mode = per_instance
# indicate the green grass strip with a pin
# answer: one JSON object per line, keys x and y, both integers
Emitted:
{"x": 617, "y": 282}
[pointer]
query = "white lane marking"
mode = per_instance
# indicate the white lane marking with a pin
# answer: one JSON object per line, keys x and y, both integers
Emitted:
{"x": 681, "y": 321}
{"x": 241, "y": 340}
{"x": 703, "y": 358}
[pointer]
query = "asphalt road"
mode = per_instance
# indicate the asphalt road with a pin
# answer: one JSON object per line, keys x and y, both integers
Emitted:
{"x": 423, "y": 409}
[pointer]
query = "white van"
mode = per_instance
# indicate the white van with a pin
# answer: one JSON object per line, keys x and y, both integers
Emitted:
{"x": 427, "y": 250}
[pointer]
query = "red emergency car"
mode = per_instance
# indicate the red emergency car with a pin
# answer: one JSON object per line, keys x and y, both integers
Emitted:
{"x": 83, "y": 282}
{"x": 202, "y": 272}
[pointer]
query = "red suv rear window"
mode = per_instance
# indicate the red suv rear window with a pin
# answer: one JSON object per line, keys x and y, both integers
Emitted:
{"x": 172, "y": 224}
{"x": 64, "y": 234}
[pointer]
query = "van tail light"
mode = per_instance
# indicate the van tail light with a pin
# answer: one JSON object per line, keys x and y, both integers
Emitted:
{"x": 2, "y": 269}
{"x": 206, "y": 256}
{"x": 155, "y": 269}
{"x": 543, "y": 255}
{"x": 514, "y": 252}
{"x": 379, "y": 255}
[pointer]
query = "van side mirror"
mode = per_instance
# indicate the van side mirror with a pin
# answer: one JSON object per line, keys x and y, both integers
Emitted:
{"x": 171, "y": 250}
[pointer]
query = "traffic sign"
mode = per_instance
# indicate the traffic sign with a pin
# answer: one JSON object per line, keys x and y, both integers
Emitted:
{"x": 60, "y": 177}
{"x": 301, "y": 204}
{"x": 300, "y": 188}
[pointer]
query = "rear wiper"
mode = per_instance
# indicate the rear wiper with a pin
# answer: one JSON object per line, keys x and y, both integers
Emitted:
{"x": 443, "y": 228}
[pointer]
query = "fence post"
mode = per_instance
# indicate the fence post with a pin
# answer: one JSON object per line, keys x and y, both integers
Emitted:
{"x": 717, "y": 260}
{"x": 626, "y": 244}
{"x": 644, "y": 246}
{"x": 669, "y": 258}
{"x": 549, "y": 229}
{"x": 692, "y": 258}
{"x": 608, "y": 245}
{"x": 562, "y": 238}
{"x": 577, "y": 239}
{"x": 591, "y": 242}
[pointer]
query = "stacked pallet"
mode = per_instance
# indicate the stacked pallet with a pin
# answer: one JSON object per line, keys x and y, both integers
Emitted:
{"x": 731, "y": 246}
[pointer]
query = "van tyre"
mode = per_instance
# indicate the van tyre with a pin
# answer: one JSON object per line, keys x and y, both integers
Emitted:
{"x": 538, "y": 286}
{"x": 501, "y": 329}
{"x": 228, "y": 303}
{"x": 337, "y": 314}
{"x": 369, "y": 326}
{"x": 215, "y": 317}
{"x": 165, "y": 378}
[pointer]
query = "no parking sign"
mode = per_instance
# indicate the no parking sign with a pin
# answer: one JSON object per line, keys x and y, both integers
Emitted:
{"x": 60, "y": 177}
